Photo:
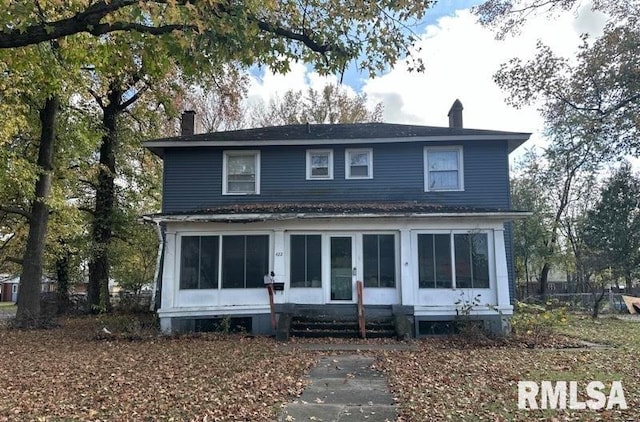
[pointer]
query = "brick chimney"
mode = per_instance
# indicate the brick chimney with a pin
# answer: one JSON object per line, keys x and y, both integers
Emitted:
{"x": 188, "y": 123}
{"x": 455, "y": 115}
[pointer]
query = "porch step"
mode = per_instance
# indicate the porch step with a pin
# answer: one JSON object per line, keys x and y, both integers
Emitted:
{"x": 306, "y": 326}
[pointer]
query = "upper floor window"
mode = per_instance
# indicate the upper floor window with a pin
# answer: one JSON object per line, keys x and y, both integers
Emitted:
{"x": 241, "y": 172}
{"x": 443, "y": 168}
{"x": 319, "y": 164}
{"x": 359, "y": 163}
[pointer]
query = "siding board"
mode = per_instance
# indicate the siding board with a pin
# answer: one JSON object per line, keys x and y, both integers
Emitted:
{"x": 193, "y": 177}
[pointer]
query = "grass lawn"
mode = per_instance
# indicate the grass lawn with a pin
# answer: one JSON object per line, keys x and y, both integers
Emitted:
{"x": 78, "y": 373}
{"x": 7, "y": 305}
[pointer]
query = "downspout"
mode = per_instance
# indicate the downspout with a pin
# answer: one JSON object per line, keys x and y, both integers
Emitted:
{"x": 157, "y": 291}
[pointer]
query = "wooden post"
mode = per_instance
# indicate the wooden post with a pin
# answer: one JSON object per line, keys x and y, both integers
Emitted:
{"x": 272, "y": 306}
{"x": 361, "y": 323}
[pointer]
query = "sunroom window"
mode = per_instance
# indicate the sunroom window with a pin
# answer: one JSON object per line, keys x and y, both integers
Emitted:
{"x": 199, "y": 262}
{"x": 379, "y": 260}
{"x": 306, "y": 260}
{"x": 466, "y": 267}
{"x": 245, "y": 261}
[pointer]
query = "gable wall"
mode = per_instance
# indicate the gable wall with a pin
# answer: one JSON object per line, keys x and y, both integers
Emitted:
{"x": 193, "y": 177}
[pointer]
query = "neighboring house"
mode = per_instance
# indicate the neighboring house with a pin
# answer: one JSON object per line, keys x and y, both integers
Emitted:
{"x": 420, "y": 214}
{"x": 10, "y": 287}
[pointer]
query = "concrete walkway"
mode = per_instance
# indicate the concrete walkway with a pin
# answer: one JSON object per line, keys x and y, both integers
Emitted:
{"x": 343, "y": 388}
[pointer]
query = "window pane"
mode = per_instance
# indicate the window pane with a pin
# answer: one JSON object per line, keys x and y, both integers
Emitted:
{"x": 387, "y": 260}
{"x": 442, "y": 254}
{"x": 209, "y": 262}
{"x": 233, "y": 262}
{"x": 320, "y": 165}
{"x": 320, "y": 171}
{"x": 370, "y": 253}
{"x": 426, "y": 267}
{"x": 241, "y": 164}
{"x": 443, "y": 160}
{"x": 257, "y": 264}
{"x": 189, "y": 262}
{"x": 359, "y": 159}
{"x": 241, "y": 173}
{"x": 379, "y": 260}
{"x": 359, "y": 164}
{"x": 480, "y": 256}
{"x": 341, "y": 275}
{"x": 463, "y": 260}
{"x": 306, "y": 258}
{"x": 298, "y": 257}
{"x": 314, "y": 260}
{"x": 443, "y": 180}
{"x": 359, "y": 171}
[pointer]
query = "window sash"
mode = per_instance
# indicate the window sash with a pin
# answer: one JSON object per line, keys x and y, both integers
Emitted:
{"x": 245, "y": 261}
{"x": 241, "y": 171}
{"x": 358, "y": 163}
{"x": 305, "y": 268}
{"x": 443, "y": 168}
{"x": 379, "y": 260}
{"x": 199, "y": 262}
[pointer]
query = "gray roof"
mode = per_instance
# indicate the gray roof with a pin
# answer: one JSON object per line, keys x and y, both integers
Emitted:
{"x": 308, "y": 134}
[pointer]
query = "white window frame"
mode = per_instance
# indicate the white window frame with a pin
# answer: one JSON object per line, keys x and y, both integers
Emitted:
{"x": 347, "y": 163}
{"x": 220, "y": 235}
{"x": 225, "y": 170}
{"x": 312, "y": 152}
{"x": 458, "y": 150}
{"x": 451, "y": 233}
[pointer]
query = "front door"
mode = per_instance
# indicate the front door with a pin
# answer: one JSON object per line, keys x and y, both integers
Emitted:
{"x": 343, "y": 270}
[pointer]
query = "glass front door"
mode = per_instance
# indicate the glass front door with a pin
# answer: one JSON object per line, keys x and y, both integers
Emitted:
{"x": 342, "y": 268}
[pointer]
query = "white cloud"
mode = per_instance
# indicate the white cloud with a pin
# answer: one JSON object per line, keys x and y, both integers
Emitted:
{"x": 461, "y": 58}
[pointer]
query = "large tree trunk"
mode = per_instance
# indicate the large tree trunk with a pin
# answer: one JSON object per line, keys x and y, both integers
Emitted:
{"x": 544, "y": 277}
{"x": 102, "y": 229}
{"x": 28, "y": 314}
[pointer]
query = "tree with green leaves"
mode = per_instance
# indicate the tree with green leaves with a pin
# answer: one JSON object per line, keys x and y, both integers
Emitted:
{"x": 76, "y": 36}
{"x": 612, "y": 228}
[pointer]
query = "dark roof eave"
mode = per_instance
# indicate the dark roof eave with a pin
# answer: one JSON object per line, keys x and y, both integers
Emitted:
{"x": 332, "y": 134}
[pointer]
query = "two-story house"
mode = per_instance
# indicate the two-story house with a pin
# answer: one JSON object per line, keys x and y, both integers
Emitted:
{"x": 419, "y": 214}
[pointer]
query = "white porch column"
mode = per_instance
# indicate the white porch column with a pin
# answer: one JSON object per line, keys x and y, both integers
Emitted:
{"x": 502, "y": 271}
{"x": 279, "y": 267}
{"x": 407, "y": 285}
{"x": 167, "y": 298}
{"x": 169, "y": 280}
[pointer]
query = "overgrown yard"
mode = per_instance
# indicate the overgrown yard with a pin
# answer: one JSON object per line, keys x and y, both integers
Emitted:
{"x": 78, "y": 372}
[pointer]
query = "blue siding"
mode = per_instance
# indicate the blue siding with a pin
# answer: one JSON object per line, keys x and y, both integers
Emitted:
{"x": 193, "y": 177}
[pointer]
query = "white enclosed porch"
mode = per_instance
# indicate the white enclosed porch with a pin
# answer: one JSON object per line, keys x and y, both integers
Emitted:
{"x": 215, "y": 265}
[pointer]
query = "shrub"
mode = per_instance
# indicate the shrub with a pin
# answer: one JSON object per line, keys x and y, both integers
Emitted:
{"x": 536, "y": 323}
